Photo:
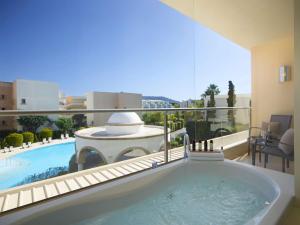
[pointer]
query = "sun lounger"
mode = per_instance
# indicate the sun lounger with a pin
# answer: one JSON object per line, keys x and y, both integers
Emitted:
{"x": 24, "y": 145}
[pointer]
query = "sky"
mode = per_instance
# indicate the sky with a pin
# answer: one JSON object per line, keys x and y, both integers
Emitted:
{"x": 140, "y": 46}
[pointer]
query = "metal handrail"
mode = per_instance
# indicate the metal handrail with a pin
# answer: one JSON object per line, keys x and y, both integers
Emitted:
{"x": 88, "y": 111}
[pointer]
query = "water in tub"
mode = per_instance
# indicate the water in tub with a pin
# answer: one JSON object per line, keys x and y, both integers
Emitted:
{"x": 187, "y": 196}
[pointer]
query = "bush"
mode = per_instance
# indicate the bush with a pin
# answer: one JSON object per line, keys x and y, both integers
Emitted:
{"x": 28, "y": 137}
{"x": 198, "y": 130}
{"x": 56, "y": 134}
{"x": 64, "y": 124}
{"x": 46, "y": 133}
{"x": 14, "y": 139}
{"x": 3, "y": 143}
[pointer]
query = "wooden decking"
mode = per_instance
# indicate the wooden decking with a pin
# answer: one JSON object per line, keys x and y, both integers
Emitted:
{"x": 23, "y": 196}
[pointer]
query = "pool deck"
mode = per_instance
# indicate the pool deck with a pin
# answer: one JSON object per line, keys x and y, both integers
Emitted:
{"x": 37, "y": 192}
{"x": 17, "y": 150}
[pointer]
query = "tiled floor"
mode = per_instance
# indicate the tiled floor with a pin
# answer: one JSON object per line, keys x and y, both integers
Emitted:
{"x": 20, "y": 196}
{"x": 274, "y": 163}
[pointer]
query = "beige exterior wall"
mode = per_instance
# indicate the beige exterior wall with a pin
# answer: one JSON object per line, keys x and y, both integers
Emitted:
{"x": 129, "y": 100}
{"x": 297, "y": 100}
{"x": 269, "y": 96}
{"x": 6, "y": 103}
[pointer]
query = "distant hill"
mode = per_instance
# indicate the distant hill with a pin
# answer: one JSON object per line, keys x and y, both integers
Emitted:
{"x": 160, "y": 98}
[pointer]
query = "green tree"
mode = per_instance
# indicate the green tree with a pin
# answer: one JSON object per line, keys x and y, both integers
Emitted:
{"x": 198, "y": 103}
{"x": 152, "y": 118}
{"x": 231, "y": 100}
{"x": 64, "y": 124}
{"x": 32, "y": 123}
{"x": 211, "y": 103}
{"x": 79, "y": 120}
{"x": 212, "y": 88}
{"x": 211, "y": 91}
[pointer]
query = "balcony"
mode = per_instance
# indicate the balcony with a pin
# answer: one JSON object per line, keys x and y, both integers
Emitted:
{"x": 153, "y": 142}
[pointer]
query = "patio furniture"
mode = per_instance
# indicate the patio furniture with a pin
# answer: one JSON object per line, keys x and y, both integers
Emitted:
{"x": 4, "y": 150}
{"x": 28, "y": 144}
{"x": 44, "y": 141}
{"x": 62, "y": 136}
{"x": 283, "y": 148}
{"x": 269, "y": 132}
{"x": 49, "y": 139}
{"x": 67, "y": 136}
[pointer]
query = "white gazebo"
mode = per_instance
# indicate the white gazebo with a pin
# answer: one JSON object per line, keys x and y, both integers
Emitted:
{"x": 123, "y": 133}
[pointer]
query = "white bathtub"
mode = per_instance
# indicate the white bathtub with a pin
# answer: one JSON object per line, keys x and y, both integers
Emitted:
{"x": 275, "y": 186}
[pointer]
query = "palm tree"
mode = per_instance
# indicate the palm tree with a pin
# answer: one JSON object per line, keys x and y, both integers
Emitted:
{"x": 212, "y": 88}
{"x": 211, "y": 91}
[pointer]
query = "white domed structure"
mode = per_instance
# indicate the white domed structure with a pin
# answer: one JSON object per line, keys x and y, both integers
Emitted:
{"x": 123, "y": 133}
{"x": 124, "y": 123}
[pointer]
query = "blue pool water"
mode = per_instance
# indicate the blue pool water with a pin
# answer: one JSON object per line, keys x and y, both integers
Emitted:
{"x": 15, "y": 169}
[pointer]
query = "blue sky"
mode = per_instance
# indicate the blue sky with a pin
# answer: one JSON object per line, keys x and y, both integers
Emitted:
{"x": 138, "y": 46}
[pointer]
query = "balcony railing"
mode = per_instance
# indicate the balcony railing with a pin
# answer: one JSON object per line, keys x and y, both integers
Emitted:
{"x": 163, "y": 132}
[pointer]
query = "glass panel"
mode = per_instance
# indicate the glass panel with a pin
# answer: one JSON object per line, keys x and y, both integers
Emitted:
{"x": 40, "y": 147}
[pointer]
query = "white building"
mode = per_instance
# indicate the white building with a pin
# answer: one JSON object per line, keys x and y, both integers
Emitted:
{"x": 109, "y": 100}
{"x": 155, "y": 104}
{"x": 124, "y": 133}
{"x": 242, "y": 100}
{"x": 35, "y": 95}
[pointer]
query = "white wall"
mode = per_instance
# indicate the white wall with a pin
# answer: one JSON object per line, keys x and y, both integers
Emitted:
{"x": 108, "y": 100}
{"x": 241, "y": 115}
{"x": 38, "y": 95}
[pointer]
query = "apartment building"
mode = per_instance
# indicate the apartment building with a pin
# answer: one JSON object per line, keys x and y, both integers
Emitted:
{"x": 242, "y": 100}
{"x": 75, "y": 102}
{"x": 6, "y": 103}
{"x": 35, "y": 95}
{"x": 155, "y": 104}
{"x": 27, "y": 95}
{"x": 109, "y": 100}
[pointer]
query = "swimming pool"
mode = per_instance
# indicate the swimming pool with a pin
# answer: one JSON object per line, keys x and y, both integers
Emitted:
{"x": 16, "y": 169}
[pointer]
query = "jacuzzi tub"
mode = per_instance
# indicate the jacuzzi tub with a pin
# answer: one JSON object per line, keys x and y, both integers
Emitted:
{"x": 182, "y": 192}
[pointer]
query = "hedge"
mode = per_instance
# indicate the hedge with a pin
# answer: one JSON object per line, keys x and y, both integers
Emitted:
{"x": 28, "y": 137}
{"x": 46, "y": 133}
{"x": 14, "y": 139}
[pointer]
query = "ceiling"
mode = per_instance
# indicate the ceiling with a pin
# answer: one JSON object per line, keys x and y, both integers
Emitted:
{"x": 246, "y": 22}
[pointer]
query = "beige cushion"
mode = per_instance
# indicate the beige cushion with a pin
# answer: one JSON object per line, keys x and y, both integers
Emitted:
{"x": 286, "y": 143}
